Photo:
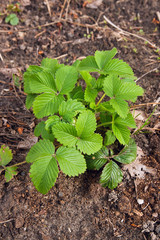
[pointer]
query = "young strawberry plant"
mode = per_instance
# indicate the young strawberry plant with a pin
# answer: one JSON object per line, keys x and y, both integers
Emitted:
{"x": 5, "y": 158}
{"x": 80, "y": 123}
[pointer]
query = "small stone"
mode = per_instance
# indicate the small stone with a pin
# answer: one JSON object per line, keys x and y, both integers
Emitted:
{"x": 19, "y": 222}
{"x": 60, "y": 194}
{"x": 155, "y": 215}
{"x": 124, "y": 205}
{"x": 153, "y": 236}
{"x": 158, "y": 229}
{"x": 140, "y": 201}
{"x": 112, "y": 197}
{"x": 22, "y": 47}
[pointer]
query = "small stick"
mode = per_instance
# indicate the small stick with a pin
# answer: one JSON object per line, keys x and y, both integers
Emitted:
{"x": 1, "y": 57}
{"x": 143, "y": 104}
{"x": 62, "y": 9}
{"x": 67, "y": 8}
{"x": 48, "y": 6}
{"x": 40, "y": 33}
{"x": 9, "y": 220}
{"x": 155, "y": 69}
{"x": 128, "y": 33}
{"x": 62, "y": 56}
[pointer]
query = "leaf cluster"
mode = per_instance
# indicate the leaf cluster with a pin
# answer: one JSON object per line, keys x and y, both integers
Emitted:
{"x": 5, "y": 158}
{"x": 77, "y": 126}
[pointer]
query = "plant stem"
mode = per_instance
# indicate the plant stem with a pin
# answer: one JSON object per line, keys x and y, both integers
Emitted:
{"x": 17, "y": 164}
{"x": 103, "y": 124}
{"x": 100, "y": 99}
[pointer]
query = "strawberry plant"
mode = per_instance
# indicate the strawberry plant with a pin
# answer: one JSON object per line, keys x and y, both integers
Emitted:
{"x": 82, "y": 127}
{"x": 5, "y": 158}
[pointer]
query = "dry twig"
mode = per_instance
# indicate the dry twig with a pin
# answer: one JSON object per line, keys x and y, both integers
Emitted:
{"x": 155, "y": 69}
{"x": 128, "y": 33}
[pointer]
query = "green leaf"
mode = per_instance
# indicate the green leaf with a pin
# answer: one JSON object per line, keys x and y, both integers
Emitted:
{"x": 71, "y": 161}
{"x": 105, "y": 107}
{"x": 10, "y": 172}
{"x": 77, "y": 93}
{"x": 111, "y": 175}
{"x": 86, "y": 124}
{"x": 120, "y": 106}
{"x": 39, "y": 82}
{"x": 40, "y": 130}
{"x": 5, "y": 155}
{"x": 43, "y": 148}
{"x": 116, "y": 66}
{"x": 90, "y": 94}
{"x": 109, "y": 138}
{"x": 34, "y": 69}
{"x": 49, "y": 64}
{"x": 90, "y": 144}
{"x": 87, "y": 77}
{"x": 70, "y": 109}
{"x": 29, "y": 100}
{"x": 97, "y": 160}
{"x": 46, "y": 104}
{"x": 65, "y": 133}
{"x": 66, "y": 78}
{"x": 12, "y": 19}
{"x": 129, "y": 91}
{"x": 88, "y": 64}
{"x": 121, "y": 132}
{"x": 128, "y": 153}
{"x": 111, "y": 85}
{"x": 44, "y": 170}
{"x": 103, "y": 57}
{"x": 128, "y": 121}
{"x": 44, "y": 173}
{"x": 51, "y": 121}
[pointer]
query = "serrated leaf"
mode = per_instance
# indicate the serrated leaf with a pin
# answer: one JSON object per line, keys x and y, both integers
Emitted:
{"x": 70, "y": 109}
{"x": 103, "y": 57}
{"x": 88, "y": 64}
{"x": 97, "y": 160}
{"x": 71, "y": 161}
{"x": 128, "y": 121}
{"x": 39, "y": 82}
{"x": 86, "y": 124}
{"x": 129, "y": 91}
{"x": 90, "y": 94}
{"x": 29, "y": 100}
{"x": 5, "y": 155}
{"x": 51, "y": 121}
{"x": 109, "y": 138}
{"x": 43, "y": 148}
{"x": 49, "y": 64}
{"x": 111, "y": 85}
{"x": 10, "y": 172}
{"x": 120, "y": 106}
{"x": 66, "y": 78}
{"x": 41, "y": 131}
{"x": 44, "y": 173}
{"x": 44, "y": 170}
{"x": 77, "y": 93}
{"x": 90, "y": 144}
{"x": 87, "y": 77}
{"x": 65, "y": 133}
{"x": 111, "y": 175}
{"x": 128, "y": 153}
{"x": 46, "y": 104}
{"x": 121, "y": 132}
{"x": 116, "y": 66}
{"x": 34, "y": 69}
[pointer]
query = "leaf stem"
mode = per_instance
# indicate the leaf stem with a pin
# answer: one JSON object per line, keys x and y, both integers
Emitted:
{"x": 100, "y": 99}
{"x": 103, "y": 124}
{"x": 17, "y": 164}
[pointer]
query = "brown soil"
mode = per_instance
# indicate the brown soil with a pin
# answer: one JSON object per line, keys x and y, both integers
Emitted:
{"x": 78, "y": 208}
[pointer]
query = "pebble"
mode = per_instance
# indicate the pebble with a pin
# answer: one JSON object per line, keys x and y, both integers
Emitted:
{"x": 60, "y": 194}
{"x": 155, "y": 215}
{"x": 158, "y": 229}
{"x": 140, "y": 201}
{"x": 19, "y": 222}
{"x": 124, "y": 205}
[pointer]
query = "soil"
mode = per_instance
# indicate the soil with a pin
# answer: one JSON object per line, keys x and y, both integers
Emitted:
{"x": 79, "y": 208}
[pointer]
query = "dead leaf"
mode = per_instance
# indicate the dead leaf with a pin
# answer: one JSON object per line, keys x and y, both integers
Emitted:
{"x": 137, "y": 169}
{"x": 28, "y": 142}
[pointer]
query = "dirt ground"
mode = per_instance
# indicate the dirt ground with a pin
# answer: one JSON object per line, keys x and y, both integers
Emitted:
{"x": 79, "y": 208}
